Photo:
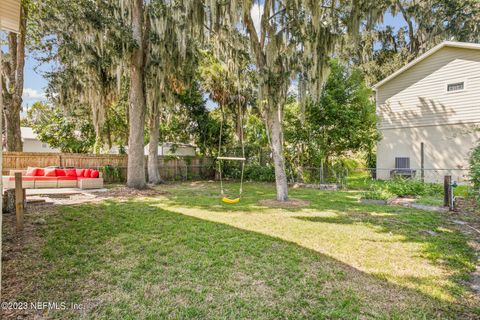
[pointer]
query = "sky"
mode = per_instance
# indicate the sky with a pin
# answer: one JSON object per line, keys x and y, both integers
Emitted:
{"x": 35, "y": 83}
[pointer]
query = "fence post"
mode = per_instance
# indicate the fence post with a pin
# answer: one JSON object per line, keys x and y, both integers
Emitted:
{"x": 175, "y": 172}
{"x": 447, "y": 194}
{"x": 19, "y": 200}
{"x": 322, "y": 179}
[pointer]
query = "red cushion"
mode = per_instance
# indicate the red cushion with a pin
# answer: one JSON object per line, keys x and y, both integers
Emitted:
{"x": 31, "y": 172}
{"x": 87, "y": 173}
{"x": 46, "y": 178}
{"x": 40, "y": 172}
{"x": 80, "y": 172}
{"x": 71, "y": 173}
{"x": 60, "y": 172}
{"x": 67, "y": 178}
{"x": 94, "y": 174}
{"x": 50, "y": 172}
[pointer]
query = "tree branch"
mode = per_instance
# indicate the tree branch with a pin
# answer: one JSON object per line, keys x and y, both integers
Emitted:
{"x": 257, "y": 48}
{"x": 264, "y": 22}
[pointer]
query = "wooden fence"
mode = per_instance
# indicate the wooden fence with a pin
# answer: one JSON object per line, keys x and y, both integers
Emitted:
{"x": 171, "y": 168}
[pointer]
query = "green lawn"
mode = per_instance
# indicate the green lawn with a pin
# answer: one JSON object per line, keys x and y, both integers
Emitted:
{"x": 187, "y": 255}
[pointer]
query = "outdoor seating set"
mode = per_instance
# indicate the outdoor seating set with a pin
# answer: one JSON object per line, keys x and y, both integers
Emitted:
{"x": 51, "y": 177}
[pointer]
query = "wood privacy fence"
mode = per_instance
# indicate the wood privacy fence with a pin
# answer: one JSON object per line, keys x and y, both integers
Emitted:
{"x": 171, "y": 168}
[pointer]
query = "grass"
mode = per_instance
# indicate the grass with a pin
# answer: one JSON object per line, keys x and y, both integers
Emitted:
{"x": 187, "y": 255}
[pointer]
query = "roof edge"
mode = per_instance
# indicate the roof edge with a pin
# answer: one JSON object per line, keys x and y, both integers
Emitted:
{"x": 453, "y": 44}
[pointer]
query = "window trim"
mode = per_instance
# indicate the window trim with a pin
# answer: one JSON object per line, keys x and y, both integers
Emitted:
{"x": 455, "y": 81}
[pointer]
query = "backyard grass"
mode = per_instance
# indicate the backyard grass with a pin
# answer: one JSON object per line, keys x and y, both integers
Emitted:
{"x": 185, "y": 254}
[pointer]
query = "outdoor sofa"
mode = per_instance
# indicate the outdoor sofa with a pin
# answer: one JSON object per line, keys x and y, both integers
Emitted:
{"x": 35, "y": 178}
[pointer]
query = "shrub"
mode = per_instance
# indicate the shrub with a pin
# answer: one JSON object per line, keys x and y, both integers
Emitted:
{"x": 377, "y": 194}
{"x": 402, "y": 187}
{"x": 475, "y": 167}
{"x": 112, "y": 173}
{"x": 260, "y": 173}
{"x": 253, "y": 172}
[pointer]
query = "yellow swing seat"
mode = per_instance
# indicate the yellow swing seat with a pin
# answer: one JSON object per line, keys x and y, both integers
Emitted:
{"x": 228, "y": 200}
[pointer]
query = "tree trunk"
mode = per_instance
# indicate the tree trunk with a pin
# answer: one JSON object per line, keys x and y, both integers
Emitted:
{"x": 12, "y": 128}
{"x": 273, "y": 112}
{"x": 136, "y": 103}
{"x": 153, "y": 173}
{"x": 238, "y": 125}
{"x": 273, "y": 120}
{"x": 13, "y": 105}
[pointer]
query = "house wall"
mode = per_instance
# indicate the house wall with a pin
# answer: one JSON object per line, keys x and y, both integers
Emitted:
{"x": 179, "y": 151}
{"x": 415, "y": 107}
{"x": 33, "y": 145}
{"x": 445, "y": 147}
{"x": 166, "y": 150}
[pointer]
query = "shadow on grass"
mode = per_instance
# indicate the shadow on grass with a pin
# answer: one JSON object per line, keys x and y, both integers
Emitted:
{"x": 140, "y": 261}
{"x": 440, "y": 244}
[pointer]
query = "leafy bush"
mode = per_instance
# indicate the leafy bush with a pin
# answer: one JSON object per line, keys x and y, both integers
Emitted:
{"x": 253, "y": 172}
{"x": 112, "y": 173}
{"x": 407, "y": 187}
{"x": 378, "y": 194}
{"x": 475, "y": 167}
{"x": 350, "y": 163}
{"x": 260, "y": 173}
{"x": 401, "y": 187}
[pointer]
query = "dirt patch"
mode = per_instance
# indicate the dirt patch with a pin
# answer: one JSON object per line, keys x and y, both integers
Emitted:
{"x": 406, "y": 202}
{"x": 129, "y": 192}
{"x": 86, "y": 196}
{"x": 290, "y": 203}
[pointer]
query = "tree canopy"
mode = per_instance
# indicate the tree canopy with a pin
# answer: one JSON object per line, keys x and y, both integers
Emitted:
{"x": 297, "y": 72}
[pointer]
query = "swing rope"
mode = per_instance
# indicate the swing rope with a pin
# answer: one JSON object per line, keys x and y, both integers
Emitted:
{"x": 221, "y": 158}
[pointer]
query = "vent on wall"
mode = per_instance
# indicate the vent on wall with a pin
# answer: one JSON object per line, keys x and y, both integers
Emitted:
{"x": 457, "y": 86}
{"x": 402, "y": 163}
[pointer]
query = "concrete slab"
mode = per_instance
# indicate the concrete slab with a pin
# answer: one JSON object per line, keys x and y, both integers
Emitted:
{"x": 33, "y": 192}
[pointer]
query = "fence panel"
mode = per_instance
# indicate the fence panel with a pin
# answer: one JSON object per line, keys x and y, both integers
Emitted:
{"x": 171, "y": 168}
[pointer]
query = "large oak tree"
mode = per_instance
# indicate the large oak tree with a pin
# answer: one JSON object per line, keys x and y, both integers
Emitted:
{"x": 293, "y": 38}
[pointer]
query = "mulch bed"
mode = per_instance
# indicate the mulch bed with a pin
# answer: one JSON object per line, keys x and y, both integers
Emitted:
{"x": 86, "y": 196}
{"x": 290, "y": 203}
{"x": 129, "y": 192}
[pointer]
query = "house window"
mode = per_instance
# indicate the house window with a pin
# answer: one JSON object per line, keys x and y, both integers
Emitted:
{"x": 44, "y": 145}
{"x": 457, "y": 86}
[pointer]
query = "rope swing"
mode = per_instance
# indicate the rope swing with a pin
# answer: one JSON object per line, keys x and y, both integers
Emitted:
{"x": 221, "y": 158}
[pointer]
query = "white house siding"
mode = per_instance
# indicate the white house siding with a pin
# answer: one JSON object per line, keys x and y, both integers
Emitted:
{"x": 180, "y": 150}
{"x": 33, "y": 145}
{"x": 445, "y": 147}
{"x": 415, "y": 107}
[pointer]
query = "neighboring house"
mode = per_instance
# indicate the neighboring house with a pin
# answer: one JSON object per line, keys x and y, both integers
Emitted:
{"x": 165, "y": 149}
{"x": 174, "y": 149}
{"x": 433, "y": 101}
{"x": 31, "y": 143}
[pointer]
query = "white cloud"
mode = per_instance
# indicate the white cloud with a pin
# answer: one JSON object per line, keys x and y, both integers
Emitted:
{"x": 32, "y": 94}
{"x": 256, "y": 14}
